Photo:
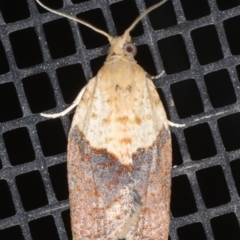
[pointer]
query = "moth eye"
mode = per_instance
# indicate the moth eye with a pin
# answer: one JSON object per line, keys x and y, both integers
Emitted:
{"x": 130, "y": 48}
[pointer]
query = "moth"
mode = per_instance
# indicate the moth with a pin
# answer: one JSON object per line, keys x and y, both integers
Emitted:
{"x": 119, "y": 156}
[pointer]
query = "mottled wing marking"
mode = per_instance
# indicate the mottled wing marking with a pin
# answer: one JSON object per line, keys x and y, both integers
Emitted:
{"x": 120, "y": 113}
{"x": 109, "y": 201}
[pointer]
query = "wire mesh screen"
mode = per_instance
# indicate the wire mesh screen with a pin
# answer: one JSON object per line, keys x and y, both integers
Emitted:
{"x": 44, "y": 62}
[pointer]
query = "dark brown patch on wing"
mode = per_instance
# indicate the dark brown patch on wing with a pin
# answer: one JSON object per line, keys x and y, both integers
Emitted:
{"x": 98, "y": 181}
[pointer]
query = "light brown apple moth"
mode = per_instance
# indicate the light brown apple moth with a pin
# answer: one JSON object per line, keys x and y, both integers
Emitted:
{"x": 119, "y": 150}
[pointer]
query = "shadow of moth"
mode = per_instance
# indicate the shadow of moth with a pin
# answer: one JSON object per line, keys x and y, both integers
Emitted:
{"x": 119, "y": 150}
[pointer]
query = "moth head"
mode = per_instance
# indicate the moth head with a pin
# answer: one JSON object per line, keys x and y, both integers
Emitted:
{"x": 120, "y": 45}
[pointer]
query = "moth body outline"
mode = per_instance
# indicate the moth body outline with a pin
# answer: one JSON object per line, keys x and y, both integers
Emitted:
{"x": 119, "y": 150}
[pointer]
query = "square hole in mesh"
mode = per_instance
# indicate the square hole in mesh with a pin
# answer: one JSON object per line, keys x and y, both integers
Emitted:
{"x": 182, "y": 199}
{"x": 59, "y": 38}
{"x": 232, "y": 29}
{"x": 174, "y": 54}
{"x": 225, "y": 227}
{"x": 56, "y": 4}
{"x": 145, "y": 60}
{"x": 235, "y": 167}
{"x": 97, "y": 63}
{"x": 43, "y": 228}
{"x": 187, "y": 98}
{"x": 124, "y": 13}
{"x": 11, "y": 233}
{"x": 13, "y": 10}
{"x": 92, "y": 39}
{"x": 177, "y": 156}
{"x": 213, "y": 186}
{"x": 220, "y": 88}
{"x": 9, "y": 104}
{"x": 206, "y": 44}
{"x": 67, "y": 222}
{"x": 39, "y": 92}
{"x": 193, "y": 231}
{"x": 31, "y": 190}
{"x": 58, "y": 176}
{"x": 26, "y": 47}
{"x": 6, "y": 203}
{"x": 4, "y": 68}
{"x": 200, "y": 142}
{"x": 71, "y": 79}
{"x": 224, "y": 5}
{"x": 195, "y": 9}
{"x": 19, "y": 146}
{"x": 230, "y": 131}
{"x": 52, "y": 137}
{"x": 163, "y": 16}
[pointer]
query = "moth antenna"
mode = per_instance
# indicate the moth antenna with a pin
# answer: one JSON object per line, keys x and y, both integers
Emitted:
{"x": 76, "y": 20}
{"x": 126, "y": 33}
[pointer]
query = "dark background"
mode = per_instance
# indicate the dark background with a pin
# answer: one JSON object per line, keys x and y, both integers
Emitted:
{"x": 44, "y": 62}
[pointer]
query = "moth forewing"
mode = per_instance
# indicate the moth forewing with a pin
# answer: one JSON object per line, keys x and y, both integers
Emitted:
{"x": 119, "y": 151}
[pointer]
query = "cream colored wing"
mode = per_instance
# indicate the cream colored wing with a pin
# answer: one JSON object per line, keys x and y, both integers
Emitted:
{"x": 119, "y": 158}
{"x": 120, "y": 113}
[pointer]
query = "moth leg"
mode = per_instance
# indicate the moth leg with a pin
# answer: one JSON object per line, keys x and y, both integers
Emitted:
{"x": 67, "y": 110}
{"x": 157, "y": 76}
{"x": 172, "y": 124}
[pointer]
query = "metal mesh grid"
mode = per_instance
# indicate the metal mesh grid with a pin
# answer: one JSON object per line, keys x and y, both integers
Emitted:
{"x": 44, "y": 62}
